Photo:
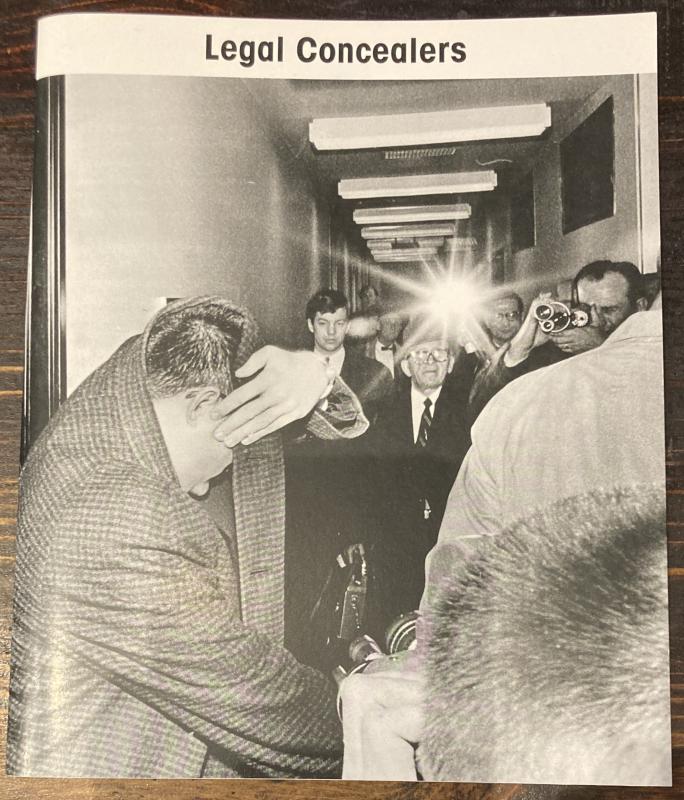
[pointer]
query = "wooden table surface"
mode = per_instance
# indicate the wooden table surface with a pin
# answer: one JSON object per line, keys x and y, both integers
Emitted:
{"x": 18, "y": 18}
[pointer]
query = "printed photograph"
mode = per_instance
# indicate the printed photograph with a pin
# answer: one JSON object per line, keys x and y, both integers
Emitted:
{"x": 343, "y": 449}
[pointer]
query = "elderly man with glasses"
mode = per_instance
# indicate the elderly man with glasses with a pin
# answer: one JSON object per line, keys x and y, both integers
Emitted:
{"x": 419, "y": 441}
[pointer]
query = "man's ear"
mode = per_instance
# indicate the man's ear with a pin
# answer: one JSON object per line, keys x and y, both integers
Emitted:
{"x": 405, "y": 367}
{"x": 450, "y": 364}
{"x": 200, "y": 402}
{"x": 642, "y": 304}
{"x": 309, "y": 325}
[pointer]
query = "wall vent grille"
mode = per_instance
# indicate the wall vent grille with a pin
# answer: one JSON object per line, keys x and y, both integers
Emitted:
{"x": 410, "y": 154}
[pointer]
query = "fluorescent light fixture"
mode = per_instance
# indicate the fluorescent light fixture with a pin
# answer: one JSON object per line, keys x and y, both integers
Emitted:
{"x": 379, "y": 244}
{"x": 461, "y": 243}
{"x": 407, "y": 185}
{"x": 434, "y": 127}
{"x": 430, "y": 241}
{"x": 376, "y": 246}
{"x": 408, "y": 231}
{"x": 400, "y": 214}
{"x": 406, "y": 254}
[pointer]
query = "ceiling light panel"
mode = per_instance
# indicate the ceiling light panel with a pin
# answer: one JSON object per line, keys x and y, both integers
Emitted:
{"x": 408, "y": 231}
{"x": 414, "y": 254}
{"x": 379, "y": 244}
{"x": 435, "y": 127}
{"x": 408, "y": 185}
{"x": 461, "y": 243}
{"x": 399, "y": 214}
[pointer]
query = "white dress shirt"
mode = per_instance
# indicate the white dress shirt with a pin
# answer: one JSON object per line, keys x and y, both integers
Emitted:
{"x": 334, "y": 360}
{"x": 418, "y": 406}
{"x": 385, "y": 357}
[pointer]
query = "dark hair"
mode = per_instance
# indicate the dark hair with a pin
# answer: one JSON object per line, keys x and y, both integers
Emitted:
{"x": 364, "y": 290}
{"x": 597, "y": 270}
{"x": 555, "y": 642}
{"x": 326, "y": 301}
{"x": 193, "y": 343}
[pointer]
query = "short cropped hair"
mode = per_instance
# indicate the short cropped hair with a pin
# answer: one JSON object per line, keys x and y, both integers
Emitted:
{"x": 326, "y": 301}
{"x": 510, "y": 295}
{"x": 190, "y": 344}
{"x": 547, "y": 656}
{"x": 597, "y": 270}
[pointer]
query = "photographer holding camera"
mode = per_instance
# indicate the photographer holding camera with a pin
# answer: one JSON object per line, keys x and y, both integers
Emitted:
{"x": 612, "y": 290}
{"x": 609, "y": 291}
{"x": 525, "y": 349}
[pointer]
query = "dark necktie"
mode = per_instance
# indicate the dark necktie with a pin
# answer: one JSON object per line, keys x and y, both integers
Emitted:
{"x": 425, "y": 423}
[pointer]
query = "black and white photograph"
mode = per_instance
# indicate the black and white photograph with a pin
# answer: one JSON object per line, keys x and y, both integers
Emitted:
{"x": 343, "y": 438}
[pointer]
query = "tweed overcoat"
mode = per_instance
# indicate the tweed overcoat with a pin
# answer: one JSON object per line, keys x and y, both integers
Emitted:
{"x": 140, "y": 648}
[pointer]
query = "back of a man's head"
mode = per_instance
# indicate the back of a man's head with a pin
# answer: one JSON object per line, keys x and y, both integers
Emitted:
{"x": 547, "y": 660}
{"x": 195, "y": 343}
{"x": 325, "y": 301}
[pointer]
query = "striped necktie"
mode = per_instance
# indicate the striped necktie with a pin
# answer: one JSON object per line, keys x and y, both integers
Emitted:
{"x": 425, "y": 423}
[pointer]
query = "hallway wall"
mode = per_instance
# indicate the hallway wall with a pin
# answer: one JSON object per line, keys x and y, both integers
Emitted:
{"x": 178, "y": 187}
{"x": 632, "y": 233}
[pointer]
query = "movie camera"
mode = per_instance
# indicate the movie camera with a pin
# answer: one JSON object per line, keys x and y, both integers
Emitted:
{"x": 400, "y": 634}
{"x": 554, "y": 316}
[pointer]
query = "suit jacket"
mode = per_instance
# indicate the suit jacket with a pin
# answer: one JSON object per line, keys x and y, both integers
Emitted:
{"x": 406, "y": 476}
{"x": 327, "y": 509}
{"x": 140, "y": 646}
{"x": 370, "y": 381}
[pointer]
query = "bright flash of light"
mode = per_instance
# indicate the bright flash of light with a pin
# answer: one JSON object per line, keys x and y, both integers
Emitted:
{"x": 447, "y": 296}
{"x": 452, "y": 298}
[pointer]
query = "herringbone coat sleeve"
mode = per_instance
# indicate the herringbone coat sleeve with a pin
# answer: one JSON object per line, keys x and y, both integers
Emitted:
{"x": 148, "y": 604}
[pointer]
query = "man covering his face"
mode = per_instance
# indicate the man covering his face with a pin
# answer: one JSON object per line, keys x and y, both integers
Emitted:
{"x": 148, "y": 634}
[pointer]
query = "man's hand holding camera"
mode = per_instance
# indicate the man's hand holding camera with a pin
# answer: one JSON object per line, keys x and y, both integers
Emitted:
{"x": 528, "y": 337}
{"x": 579, "y": 340}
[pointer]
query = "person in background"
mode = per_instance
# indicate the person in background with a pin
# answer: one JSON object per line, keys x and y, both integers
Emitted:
{"x": 517, "y": 347}
{"x": 328, "y": 485}
{"x": 327, "y": 317}
{"x": 418, "y": 443}
{"x": 370, "y": 300}
{"x": 611, "y": 291}
{"x": 386, "y": 344}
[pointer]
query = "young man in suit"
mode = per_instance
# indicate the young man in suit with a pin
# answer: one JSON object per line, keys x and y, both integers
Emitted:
{"x": 327, "y": 317}
{"x": 327, "y": 484}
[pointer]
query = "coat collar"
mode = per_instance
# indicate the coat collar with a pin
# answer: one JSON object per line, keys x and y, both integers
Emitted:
{"x": 136, "y": 412}
{"x": 258, "y": 484}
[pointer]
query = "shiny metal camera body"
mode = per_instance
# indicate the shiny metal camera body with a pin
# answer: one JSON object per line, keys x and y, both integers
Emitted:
{"x": 554, "y": 316}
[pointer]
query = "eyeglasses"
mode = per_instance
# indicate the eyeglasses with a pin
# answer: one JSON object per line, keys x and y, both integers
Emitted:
{"x": 507, "y": 315}
{"x": 437, "y": 354}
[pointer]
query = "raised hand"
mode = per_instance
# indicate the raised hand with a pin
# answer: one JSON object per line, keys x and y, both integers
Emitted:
{"x": 287, "y": 385}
